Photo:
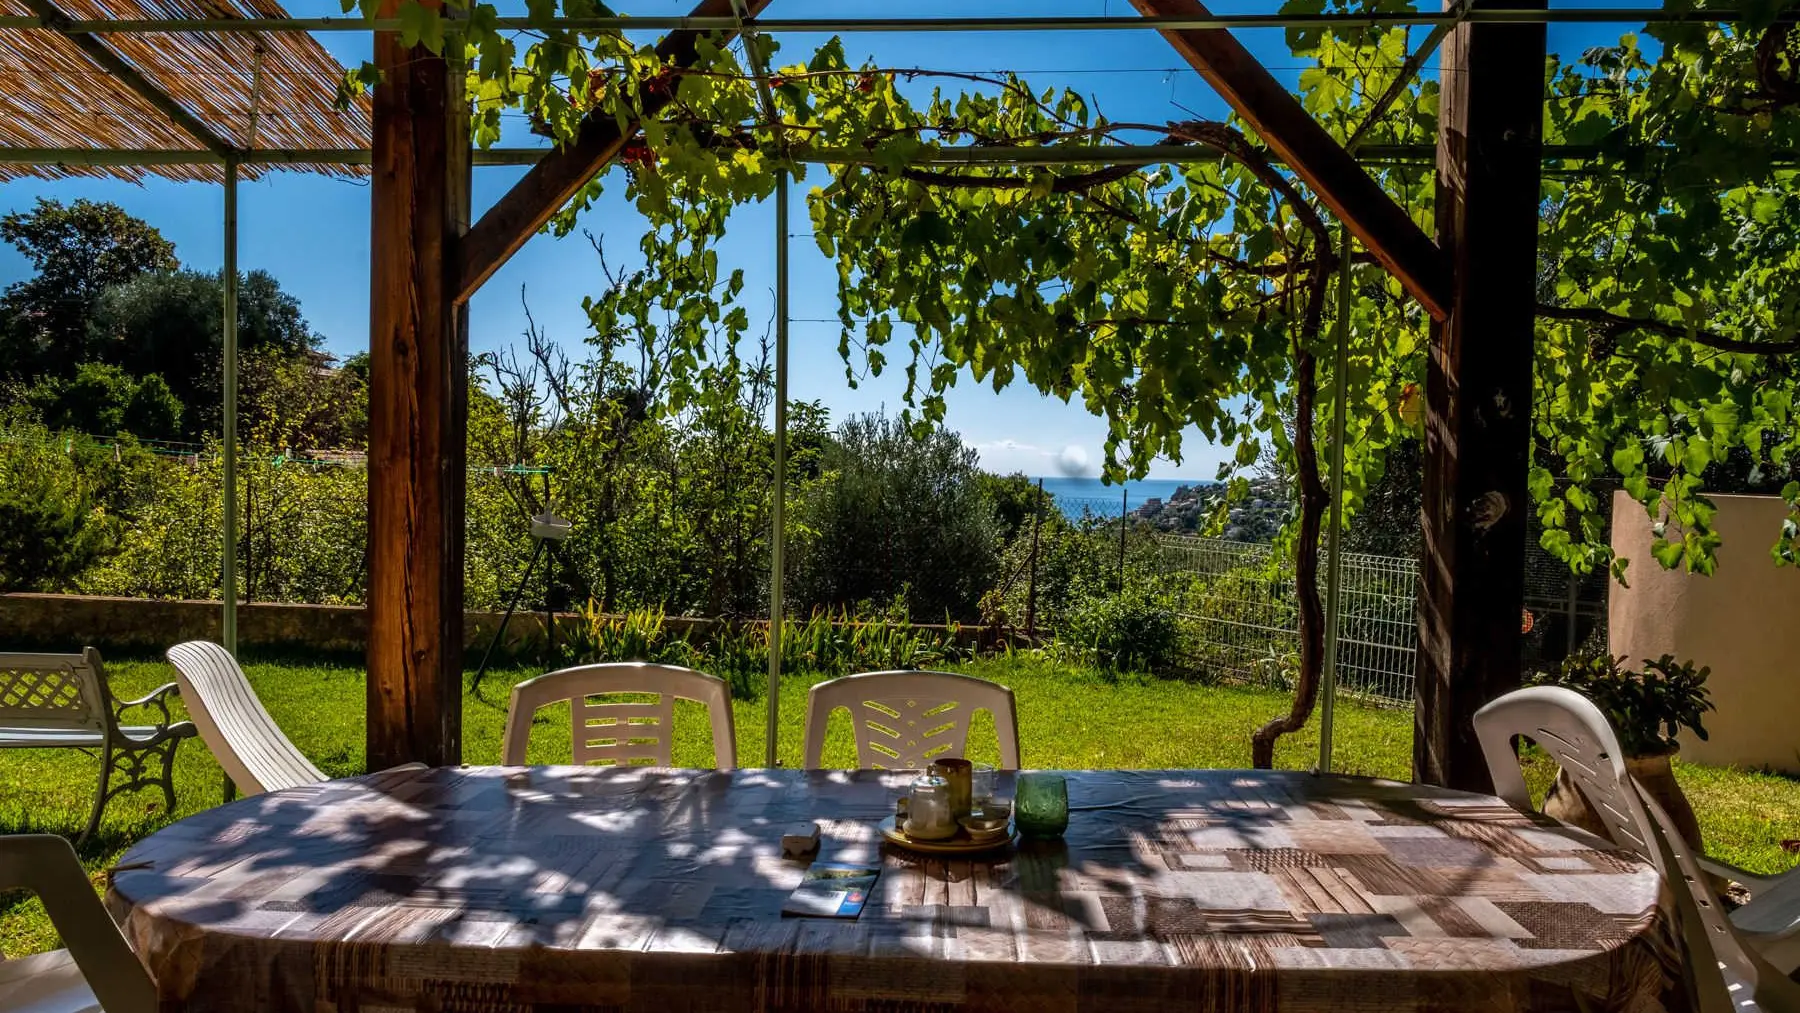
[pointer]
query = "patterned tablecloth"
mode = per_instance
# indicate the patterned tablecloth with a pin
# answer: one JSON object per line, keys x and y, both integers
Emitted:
{"x": 487, "y": 888}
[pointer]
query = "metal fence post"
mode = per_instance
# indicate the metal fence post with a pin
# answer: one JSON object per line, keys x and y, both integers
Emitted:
{"x": 1124, "y": 508}
{"x": 1037, "y": 520}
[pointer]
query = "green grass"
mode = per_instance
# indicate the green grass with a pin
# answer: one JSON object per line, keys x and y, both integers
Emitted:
{"x": 1067, "y": 719}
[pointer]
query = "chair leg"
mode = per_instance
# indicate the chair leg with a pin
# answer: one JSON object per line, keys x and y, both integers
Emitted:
{"x": 230, "y": 788}
{"x": 100, "y": 795}
{"x": 168, "y": 776}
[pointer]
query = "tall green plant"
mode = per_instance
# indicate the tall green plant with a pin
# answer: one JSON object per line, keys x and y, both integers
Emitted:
{"x": 897, "y": 515}
{"x": 1648, "y": 706}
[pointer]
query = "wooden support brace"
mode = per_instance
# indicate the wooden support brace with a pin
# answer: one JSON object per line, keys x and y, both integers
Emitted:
{"x": 559, "y": 176}
{"x": 1384, "y": 227}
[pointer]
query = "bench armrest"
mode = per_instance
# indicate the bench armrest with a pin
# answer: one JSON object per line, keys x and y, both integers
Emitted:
{"x": 157, "y": 698}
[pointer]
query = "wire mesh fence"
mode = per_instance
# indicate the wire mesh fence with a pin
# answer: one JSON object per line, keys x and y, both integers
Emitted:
{"x": 1236, "y": 600}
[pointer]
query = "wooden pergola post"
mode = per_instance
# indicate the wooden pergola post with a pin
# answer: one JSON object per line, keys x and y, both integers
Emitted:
{"x": 1478, "y": 390}
{"x": 418, "y": 405}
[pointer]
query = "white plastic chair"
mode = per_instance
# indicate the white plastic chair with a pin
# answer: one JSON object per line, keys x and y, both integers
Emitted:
{"x": 247, "y": 742}
{"x": 1771, "y": 920}
{"x": 1578, "y": 737}
{"x": 904, "y": 720}
{"x": 1572, "y": 730}
{"x": 98, "y": 970}
{"x": 621, "y": 732}
{"x": 1725, "y": 974}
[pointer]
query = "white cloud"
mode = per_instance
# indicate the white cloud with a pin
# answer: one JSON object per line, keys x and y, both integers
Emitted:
{"x": 1008, "y": 445}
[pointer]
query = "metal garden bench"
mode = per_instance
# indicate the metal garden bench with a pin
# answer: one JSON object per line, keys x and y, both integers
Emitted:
{"x": 61, "y": 701}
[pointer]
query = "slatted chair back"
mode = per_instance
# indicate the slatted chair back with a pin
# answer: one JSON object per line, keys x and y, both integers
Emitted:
{"x": 905, "y": 720}
{"x": 1724, "y": 975}
{"x": 53, "y": 692}
{"x": 1578, "y": 737}
{"x": 46, "y": 865}
{"x": 621, "y": 732}
{"x": 247, "y": 742}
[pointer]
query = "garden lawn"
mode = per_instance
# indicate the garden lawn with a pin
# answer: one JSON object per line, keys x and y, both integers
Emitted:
{"x": 1067, "y": 719}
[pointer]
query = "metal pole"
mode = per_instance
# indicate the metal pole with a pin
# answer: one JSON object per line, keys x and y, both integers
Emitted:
{"x": 229, "y": 282}
{"x": 1334, "y": 549}
{"x": 505, "y": 617}
{"x": 1370, "y": 19}
{"x": 778, "y": 540}
{"x": 1044, "y": 154}
{"x": 1124, "y": 507}
{"x": 1037, "y": 520}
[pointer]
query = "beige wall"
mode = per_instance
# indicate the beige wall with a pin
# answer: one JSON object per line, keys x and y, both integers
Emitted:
{"x": 1744, "y": 622}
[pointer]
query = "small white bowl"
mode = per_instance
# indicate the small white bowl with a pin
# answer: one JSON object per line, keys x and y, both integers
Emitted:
{"x": 983, "y": 828}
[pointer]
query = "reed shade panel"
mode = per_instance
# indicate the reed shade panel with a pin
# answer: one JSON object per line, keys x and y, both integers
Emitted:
{"x": 53, "y": 96}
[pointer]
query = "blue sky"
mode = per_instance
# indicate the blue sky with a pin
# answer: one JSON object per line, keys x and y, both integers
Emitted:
{"x": 313, "y": 233}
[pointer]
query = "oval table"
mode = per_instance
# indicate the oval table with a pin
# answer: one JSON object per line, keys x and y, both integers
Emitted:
{"x": 631, "y": 889}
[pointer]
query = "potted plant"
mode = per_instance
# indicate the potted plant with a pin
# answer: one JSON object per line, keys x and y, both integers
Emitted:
{"x": 1648, "y": 707}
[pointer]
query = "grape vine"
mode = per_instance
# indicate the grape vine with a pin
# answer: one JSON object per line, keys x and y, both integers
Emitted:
{"x": 1194, "y": 295}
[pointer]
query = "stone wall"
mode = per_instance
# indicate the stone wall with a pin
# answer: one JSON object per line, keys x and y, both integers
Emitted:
{"x": 62, "y": 622}
{"x": 57, "y": 622}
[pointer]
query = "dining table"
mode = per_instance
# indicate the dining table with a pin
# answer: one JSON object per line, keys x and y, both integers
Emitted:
{"x": 660, "y": 890}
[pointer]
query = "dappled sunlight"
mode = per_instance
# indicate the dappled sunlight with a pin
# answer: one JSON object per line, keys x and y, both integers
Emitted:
{"x": 1096, "y": 722}
{"x": 611, "y": 865}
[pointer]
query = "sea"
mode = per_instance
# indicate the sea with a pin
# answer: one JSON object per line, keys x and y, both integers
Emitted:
{"x": 1075, "y": 495}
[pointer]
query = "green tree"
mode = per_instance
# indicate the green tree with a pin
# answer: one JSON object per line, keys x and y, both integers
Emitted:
{"x": 898, "y": 515}
{"x": 104, "y": 400}
{"x": 171, "y": 323}
{"x": 1017, "y": 500}
{"x": 79, "y": 250}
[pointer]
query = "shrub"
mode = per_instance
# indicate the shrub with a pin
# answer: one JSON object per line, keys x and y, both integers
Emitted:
{"x": 1647, "y": 706}
{"x": 49, "y": 529}
{"x": 831, "y": 643}
{"x": 1130, "y": 631}
{"x": 896, "y": 515}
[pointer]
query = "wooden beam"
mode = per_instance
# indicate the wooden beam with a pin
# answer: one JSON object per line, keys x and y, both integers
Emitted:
{"x": 110, "y": 61}
{"x": 1478, "y": 392}
{"x": 418, "y": 406}
{"x": 557, "y": 178}
{"x": 1384, "y": 227}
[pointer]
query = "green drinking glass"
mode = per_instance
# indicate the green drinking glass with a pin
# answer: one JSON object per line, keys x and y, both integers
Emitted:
{"x": 1041, "y": 804}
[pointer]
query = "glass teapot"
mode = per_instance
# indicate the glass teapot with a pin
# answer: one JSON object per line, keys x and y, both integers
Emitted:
{"x": 929, "y": 814}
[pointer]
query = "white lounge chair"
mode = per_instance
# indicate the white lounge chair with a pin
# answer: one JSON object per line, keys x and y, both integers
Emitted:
{"x": 245, "y": 740}
{"x": 98, "y": 970}
{"x": 1725, "y": 974}
{"x": 621, "y": 732}
{"x": 1578, "y": 736}
{"x": 904, "y": 720}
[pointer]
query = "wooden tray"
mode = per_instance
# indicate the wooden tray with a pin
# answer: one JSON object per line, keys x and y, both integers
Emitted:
{"x": 960, "y": 844}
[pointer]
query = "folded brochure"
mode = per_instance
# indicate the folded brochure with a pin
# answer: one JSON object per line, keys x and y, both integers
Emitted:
{"x": 832, "y": 890}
